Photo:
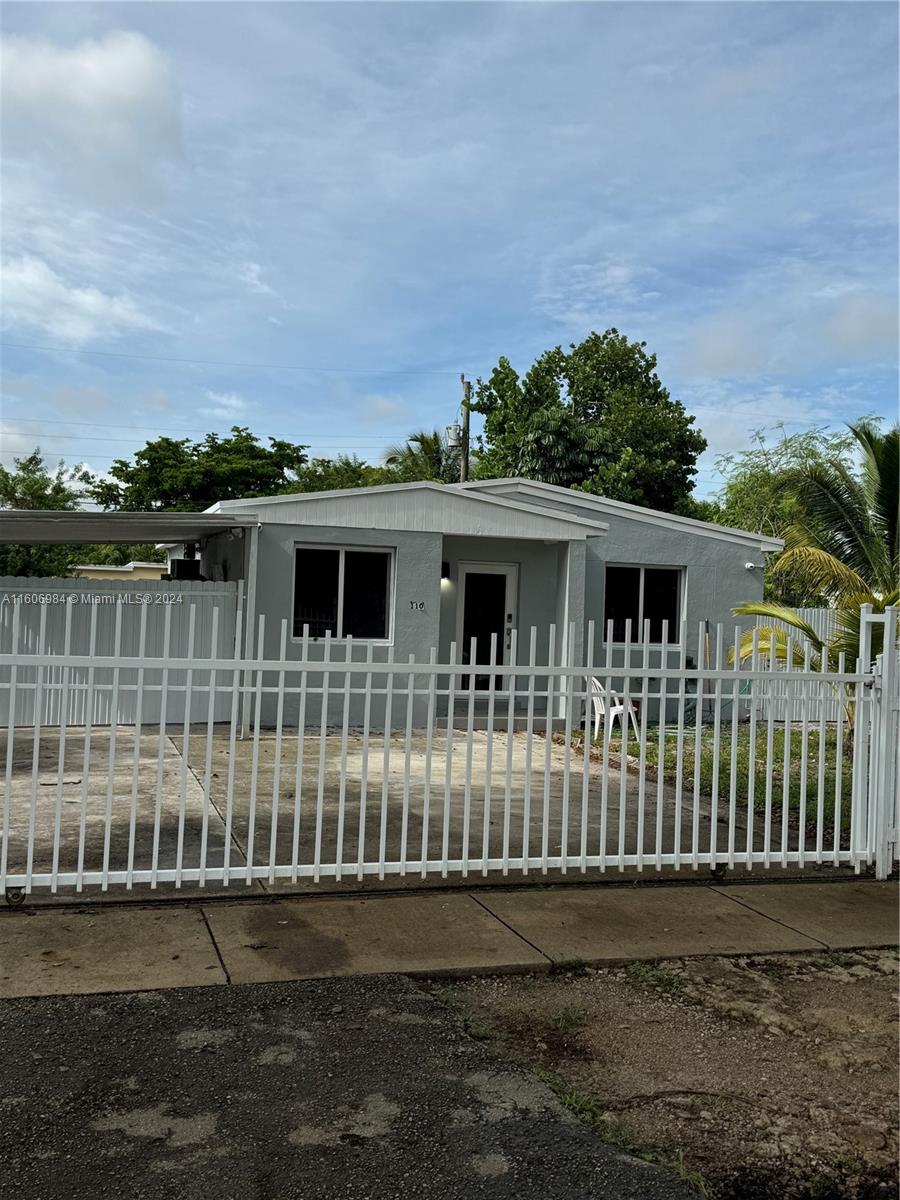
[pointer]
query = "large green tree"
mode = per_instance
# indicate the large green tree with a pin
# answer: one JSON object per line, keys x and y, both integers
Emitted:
{"x": 32, "y": 484}
{"x": 595, "y": 417}
{"x": 345, "y": 471}
{"x": 184, "y": 475}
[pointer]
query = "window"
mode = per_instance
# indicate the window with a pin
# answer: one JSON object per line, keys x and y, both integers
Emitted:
{"x": 640, "y": 594}
{"x": 344, "y": 591}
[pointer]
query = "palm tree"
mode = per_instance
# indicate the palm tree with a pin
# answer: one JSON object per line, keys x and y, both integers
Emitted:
{"x": 424, "y": 456}
{"x": 847, "y": 547}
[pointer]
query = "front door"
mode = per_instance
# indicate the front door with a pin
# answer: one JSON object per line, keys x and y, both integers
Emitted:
{"x": 488, "y": 597}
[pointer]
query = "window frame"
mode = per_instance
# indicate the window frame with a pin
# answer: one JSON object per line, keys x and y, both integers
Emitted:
{"x": 342, "y": 551}
{"x": 680, "y": 604}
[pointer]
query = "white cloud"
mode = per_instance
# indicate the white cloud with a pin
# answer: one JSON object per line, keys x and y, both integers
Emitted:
{"x": 251, "y": 274}
{"x": 104, "y": 111}
{"x": 583, "y": 293}
{"x": 34, "y": 297}
{"x": 226, "y": 405}
{"x": 789, "y": 324}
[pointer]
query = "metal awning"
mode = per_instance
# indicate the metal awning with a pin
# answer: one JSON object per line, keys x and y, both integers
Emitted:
{"x": 36, "y": 526}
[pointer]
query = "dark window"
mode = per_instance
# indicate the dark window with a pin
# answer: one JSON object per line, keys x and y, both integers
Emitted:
{"x": 661, "y": 602}
{"x": 346, "y": 592}
{"x": 623, "y": 602}
{"x": 366, "y": 585}
{"x": 641, "y": 594}
{"x": 316, "y": 592}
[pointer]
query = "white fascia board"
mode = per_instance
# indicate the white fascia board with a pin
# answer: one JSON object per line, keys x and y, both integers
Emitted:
{"x": 552, "y": 494}
{"x": 598, "y": 528}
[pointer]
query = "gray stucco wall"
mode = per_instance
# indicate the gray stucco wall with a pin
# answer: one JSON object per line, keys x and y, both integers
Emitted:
{"x": 715, "y": 575}
{"x": 416, "y": 596}
{"x": 715, "y": 579}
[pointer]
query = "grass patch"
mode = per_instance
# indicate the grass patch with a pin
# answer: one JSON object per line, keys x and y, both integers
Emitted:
{"x": 752, "y": 771}
{"x": 567, "y": 1018}
{"x": 656, "y": 978}
{"x": 586, "y": 1109}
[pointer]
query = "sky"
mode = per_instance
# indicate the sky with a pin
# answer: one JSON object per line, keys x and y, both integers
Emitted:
{"x": 311, "y": 218}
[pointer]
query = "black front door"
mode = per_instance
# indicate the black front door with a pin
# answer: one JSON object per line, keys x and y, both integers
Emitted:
{"x": 484, "y": 614}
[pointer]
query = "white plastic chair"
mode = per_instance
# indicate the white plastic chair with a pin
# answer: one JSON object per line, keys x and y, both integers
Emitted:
{"x": 608, "y": 708}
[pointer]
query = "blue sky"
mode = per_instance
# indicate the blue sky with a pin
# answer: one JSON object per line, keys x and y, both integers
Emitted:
{"x": 385, "y": 195}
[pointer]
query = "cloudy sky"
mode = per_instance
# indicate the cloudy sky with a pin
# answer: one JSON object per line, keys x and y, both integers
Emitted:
{"x": 311, "y": 218}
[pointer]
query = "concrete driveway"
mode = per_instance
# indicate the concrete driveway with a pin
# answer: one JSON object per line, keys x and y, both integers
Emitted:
{"x": 394, "y": 810}
{"x": 139, "y": 798}
{"x": 325, "y": 1090}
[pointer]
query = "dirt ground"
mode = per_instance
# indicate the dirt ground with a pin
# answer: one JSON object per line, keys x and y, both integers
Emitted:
{"x": 754, "y": 1078}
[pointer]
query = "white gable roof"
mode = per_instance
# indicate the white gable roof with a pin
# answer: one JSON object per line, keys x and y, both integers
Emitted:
{"x": 421, "y": 507}
{"x": 549, "y": 496}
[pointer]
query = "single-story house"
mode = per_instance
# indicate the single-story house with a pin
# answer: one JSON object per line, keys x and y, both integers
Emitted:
{"x": 413, "y": 568}
{"x": 418, "y": 566}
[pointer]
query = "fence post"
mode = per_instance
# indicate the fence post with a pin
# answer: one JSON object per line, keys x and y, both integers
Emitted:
{"x": 883, "y": 782}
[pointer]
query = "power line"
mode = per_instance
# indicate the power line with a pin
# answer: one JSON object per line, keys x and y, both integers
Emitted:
{"x": 214, "y": 362}
{"x": 155, "y": 428}
{"x": 310, "y": 438}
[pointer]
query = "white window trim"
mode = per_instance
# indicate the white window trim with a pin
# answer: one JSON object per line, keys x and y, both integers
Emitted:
{"x": 391, "y": 551}
{"x": 682, "y": 601}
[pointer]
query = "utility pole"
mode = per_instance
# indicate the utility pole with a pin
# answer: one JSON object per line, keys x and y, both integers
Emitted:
{"x": 464, "y": 447}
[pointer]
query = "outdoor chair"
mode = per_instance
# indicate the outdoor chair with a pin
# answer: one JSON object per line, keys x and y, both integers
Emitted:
{"x": 608, "y": 706}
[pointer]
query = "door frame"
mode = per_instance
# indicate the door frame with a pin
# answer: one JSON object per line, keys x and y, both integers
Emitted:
{"x": 511, "y": 571}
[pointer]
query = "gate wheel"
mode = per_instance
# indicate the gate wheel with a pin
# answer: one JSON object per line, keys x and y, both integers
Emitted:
{"x": 718, "y": 872}
{"x": 15, "y": 896}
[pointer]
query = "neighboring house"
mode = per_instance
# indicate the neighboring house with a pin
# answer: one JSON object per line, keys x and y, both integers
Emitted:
{"x": 132, "y": 570}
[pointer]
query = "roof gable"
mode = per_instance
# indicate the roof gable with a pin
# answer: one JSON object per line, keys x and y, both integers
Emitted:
{"x": 422, "y": 507}
{"x": 550, "y": 495}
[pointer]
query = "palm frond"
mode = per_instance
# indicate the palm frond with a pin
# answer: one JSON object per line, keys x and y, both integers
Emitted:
{"x": 839, "y": 520}
{"x": 781, "y": 612}
{"x": 772, "y": 642}
{"x": 824, "y": 572}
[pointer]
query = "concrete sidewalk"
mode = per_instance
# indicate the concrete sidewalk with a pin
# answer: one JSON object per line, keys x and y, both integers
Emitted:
{"x": 130, "y": 948}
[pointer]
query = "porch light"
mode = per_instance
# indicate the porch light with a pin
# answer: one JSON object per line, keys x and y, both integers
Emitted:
{"x": 445, "y": 570}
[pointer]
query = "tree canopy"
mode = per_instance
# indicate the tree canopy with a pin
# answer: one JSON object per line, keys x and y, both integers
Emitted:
{"x": 844, "y": 545}
{"x": 596, "y": 418}
{"x": 32, "y": 484}
{"x": 766, "y": 490}
{"x": 181, "y": 475}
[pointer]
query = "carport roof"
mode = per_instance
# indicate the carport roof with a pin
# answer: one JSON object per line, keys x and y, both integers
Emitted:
{"x": 34, "y": 526}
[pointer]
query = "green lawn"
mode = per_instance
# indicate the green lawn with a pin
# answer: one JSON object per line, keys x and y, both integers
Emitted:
{"x": 760, "y": 771}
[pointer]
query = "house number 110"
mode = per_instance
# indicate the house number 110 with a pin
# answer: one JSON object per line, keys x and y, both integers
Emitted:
{"x": 417, "y": 605}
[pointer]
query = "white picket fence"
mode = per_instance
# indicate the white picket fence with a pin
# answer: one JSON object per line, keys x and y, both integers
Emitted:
{"x": 449, "y": 771}
{"x": 106, "y": 619}
{"x": 783, "y": 698}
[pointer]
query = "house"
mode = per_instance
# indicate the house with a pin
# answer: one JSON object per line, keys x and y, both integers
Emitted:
{"x": 407, "y": 570}
{"x": 413, "y": 567}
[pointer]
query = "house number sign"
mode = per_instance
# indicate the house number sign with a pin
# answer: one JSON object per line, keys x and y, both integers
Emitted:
{"x": 417, "y": 605}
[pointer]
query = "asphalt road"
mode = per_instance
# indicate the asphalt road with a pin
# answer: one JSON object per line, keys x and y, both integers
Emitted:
{"x": 339, "y": 1088}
